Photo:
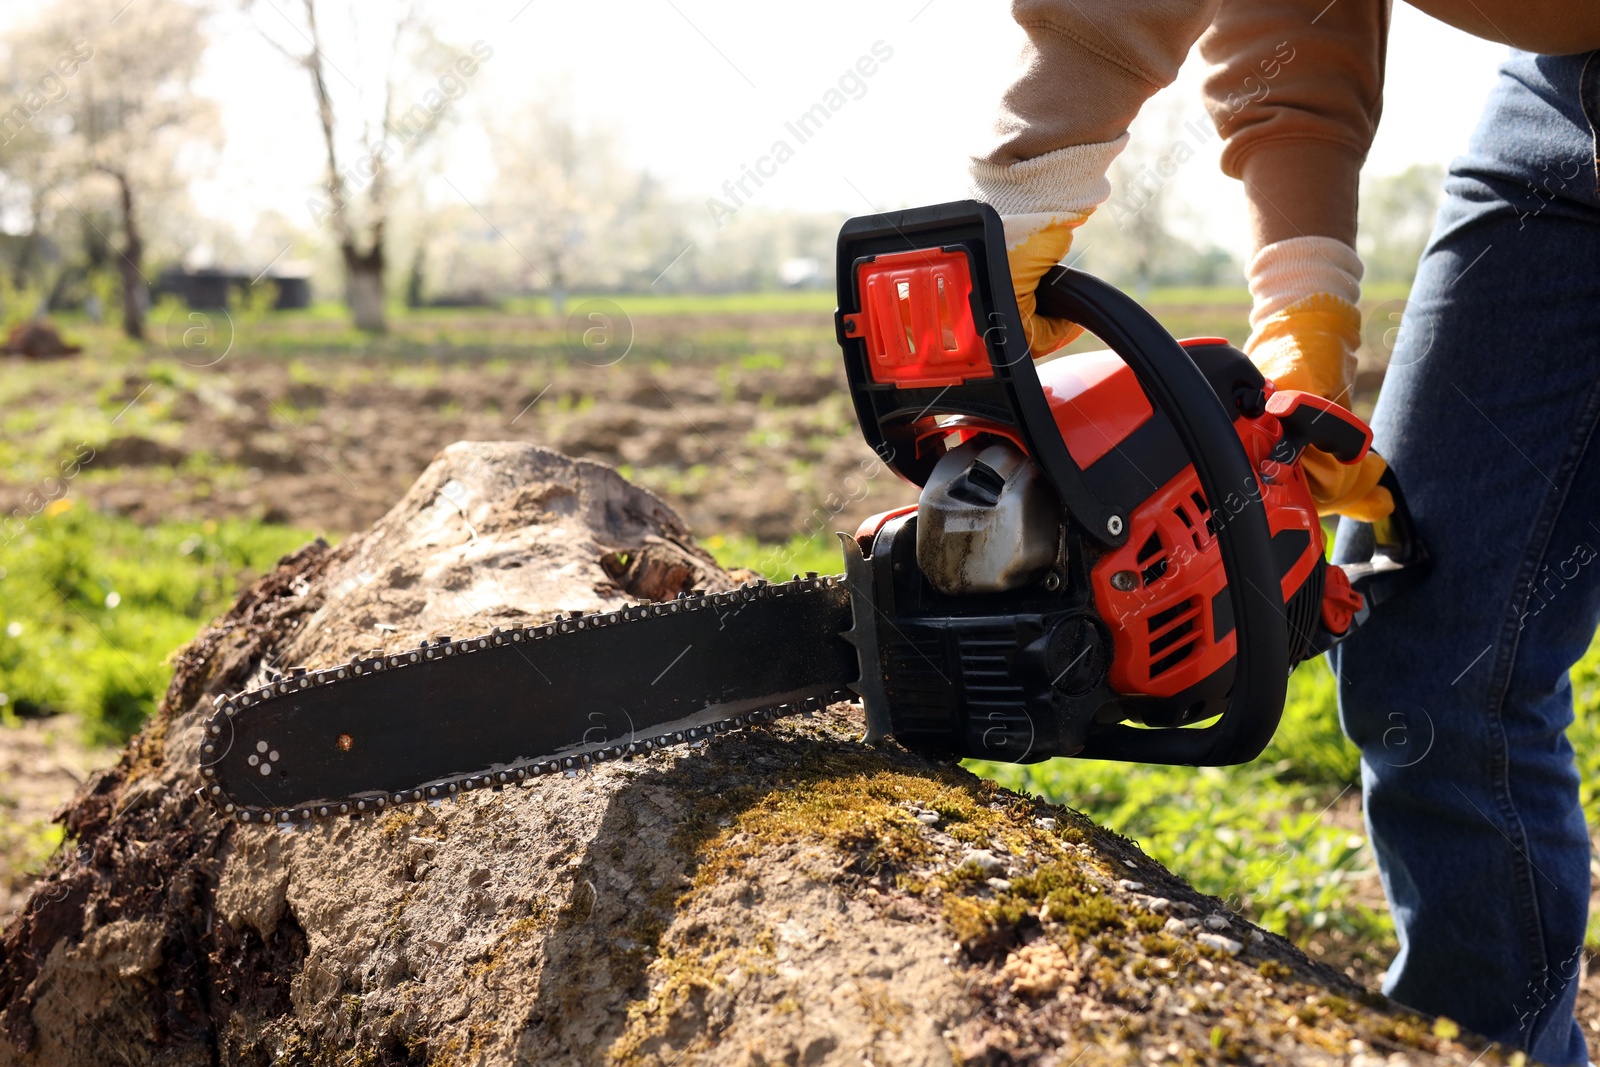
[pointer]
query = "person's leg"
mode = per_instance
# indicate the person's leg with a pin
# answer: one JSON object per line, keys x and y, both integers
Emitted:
{"x": 1457, "y": 690}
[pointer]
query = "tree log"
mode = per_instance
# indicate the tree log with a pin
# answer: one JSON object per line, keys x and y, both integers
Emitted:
{"x": 785, "y": 895}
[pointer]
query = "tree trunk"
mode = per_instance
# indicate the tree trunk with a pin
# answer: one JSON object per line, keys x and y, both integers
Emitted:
{"x": 782, "y": 895}
{"x": 414, "y": 279}
{"x": 135, "y": 291}
{"x": 364, "y": 287}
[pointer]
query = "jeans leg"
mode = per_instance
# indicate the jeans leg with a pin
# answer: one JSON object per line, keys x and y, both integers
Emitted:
{"x": 1457, "y": 690}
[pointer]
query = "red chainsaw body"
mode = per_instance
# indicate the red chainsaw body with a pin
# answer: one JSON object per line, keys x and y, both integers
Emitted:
{"x": 1168, "y": 613}
{"x": 1113, "y": 555}
{"x": 1163, "y": 593}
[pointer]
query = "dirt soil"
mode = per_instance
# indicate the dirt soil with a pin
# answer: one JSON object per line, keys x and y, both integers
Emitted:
{"x": 42, "y": 763}
{"x": 329, "y": 444}
{"x": 780, "y": 895}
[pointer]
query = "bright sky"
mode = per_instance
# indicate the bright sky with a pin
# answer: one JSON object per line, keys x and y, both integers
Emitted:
{"x": 697, "y": 89}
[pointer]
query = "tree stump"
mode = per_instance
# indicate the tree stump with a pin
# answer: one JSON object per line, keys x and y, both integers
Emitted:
{"x": 785, "y": 895}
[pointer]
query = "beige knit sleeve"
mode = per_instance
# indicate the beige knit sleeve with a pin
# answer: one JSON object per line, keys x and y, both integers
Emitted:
{"x": 1086, "y": 69}
{"x": 1296, "y": 88}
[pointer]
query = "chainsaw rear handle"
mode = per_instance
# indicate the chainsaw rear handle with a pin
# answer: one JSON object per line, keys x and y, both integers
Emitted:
{"x": 1175, "y": 385}
{"x": 1389, "y": 556}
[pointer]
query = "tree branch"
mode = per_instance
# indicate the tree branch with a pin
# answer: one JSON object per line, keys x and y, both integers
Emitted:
{"x": 319, "y": 86}
{"x": 378, "y": 197}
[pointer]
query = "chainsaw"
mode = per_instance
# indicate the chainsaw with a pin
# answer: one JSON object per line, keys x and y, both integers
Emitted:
{"x": 1113, "y": 555}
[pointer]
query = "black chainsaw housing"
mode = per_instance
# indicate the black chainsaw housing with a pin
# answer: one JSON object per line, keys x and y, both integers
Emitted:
{"x": 1014, "y": 677}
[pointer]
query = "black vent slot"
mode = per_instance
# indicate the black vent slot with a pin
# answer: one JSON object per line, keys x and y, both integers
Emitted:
{"x": 1205, "y": 512}
{"x": 986, "y": 666}
{"x": 1153, "y": 559}
{"x": 1304, "y": 614}
{"x": 1198, "y": 502}
{"x": 1161, "y": 618}
{"x": 1172, "y": 636}
{"x": 1179, "y": 642}
{"x": 997, "y": 711}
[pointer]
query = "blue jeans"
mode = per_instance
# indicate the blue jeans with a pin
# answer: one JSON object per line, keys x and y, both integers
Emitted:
{"x": 1457, "y": 691}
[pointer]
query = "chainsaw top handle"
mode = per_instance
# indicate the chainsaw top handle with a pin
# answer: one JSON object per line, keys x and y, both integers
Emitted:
{"x": 945, "y": 337}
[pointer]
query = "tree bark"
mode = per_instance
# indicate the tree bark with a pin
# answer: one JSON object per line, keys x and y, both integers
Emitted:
{"x": 130, "y": 260}
{"x": 364, "y": 287}
{"x": 363, "y": 271}
{"x": 782, "y": 895}
{"x": 414, "y": 278}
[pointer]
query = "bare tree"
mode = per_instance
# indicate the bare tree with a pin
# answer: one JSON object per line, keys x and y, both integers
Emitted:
{"x": 362, "y": 171}
{"x": 110, "y": 103}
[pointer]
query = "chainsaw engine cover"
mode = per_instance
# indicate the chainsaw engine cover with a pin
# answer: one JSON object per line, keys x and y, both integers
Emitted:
{"x": 1164, "y": 593}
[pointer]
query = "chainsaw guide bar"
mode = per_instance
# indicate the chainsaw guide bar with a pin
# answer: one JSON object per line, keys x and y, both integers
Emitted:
{"x": 311, "y": 745}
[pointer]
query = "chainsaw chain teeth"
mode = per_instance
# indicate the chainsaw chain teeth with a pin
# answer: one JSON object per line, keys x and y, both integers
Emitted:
{"x": 521, "y": 771}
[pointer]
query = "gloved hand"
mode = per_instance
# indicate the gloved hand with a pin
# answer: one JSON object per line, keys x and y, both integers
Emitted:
{"x": 1034, "y": 244}
{"x": 1310, "y": 345}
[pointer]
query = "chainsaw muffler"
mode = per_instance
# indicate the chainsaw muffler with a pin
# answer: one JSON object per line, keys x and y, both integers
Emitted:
{"x": 986, "y": 521}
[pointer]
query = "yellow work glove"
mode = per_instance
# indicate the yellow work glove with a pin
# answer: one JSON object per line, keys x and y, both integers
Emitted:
{"x": 1310, "y": 346}
{"x": 1034, "y": 244}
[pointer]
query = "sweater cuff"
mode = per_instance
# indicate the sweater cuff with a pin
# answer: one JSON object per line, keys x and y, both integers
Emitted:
{"x": 1286, "y": 272}
{"x": 1066, "y": 180}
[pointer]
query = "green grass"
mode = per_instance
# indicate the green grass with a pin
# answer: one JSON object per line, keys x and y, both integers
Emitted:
{"x": 92, "y": 606}
{"x": 778, "y": 563}
{"x": 1585, "y": 731}
{"x": 777, "y": 301}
